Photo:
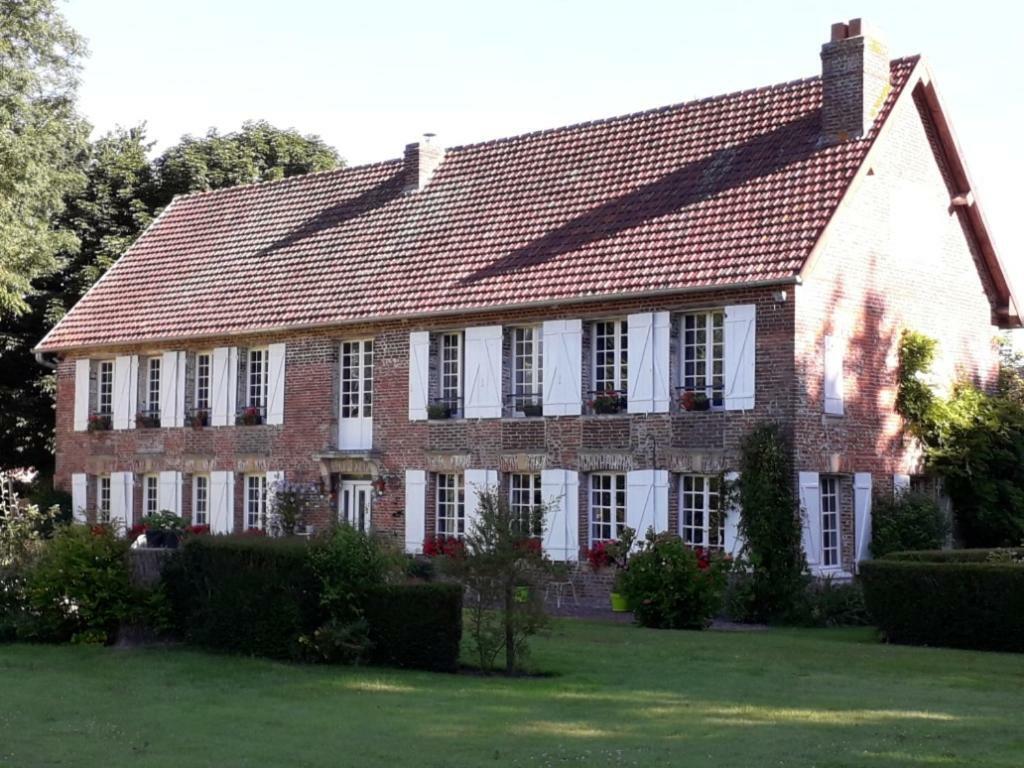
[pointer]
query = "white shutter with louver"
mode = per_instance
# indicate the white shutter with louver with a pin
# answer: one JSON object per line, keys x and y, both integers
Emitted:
{"x": 833, "y": 376}
{"x": 810, "y": 515}
{"x": 222, "y": 502}
{"x": 640, "y": 500}
{"x": 862, "y": 514}
{"x": 563, "y": 367}
{"x": 560, "y": 489}
{"x": 419, "y": 377}
{"x": 275, "y": 383}
{"x": 82, "y": 372}
{"x": 483, "y": 372}
{"x": 733, "y": 543}
{"x": 169, "y": 492}
{"x": 79, "y": 496}
{"x": 223, "y": 378}
{"x": 415, "y": 510}
{"x": 740, "y": 346}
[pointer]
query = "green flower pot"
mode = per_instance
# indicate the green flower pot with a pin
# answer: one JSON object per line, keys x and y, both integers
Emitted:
{"x": 522, "y": 594}
{"x": 619, "y": 603}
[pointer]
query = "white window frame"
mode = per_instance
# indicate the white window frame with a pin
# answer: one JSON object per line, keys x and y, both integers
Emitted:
{"x": 606, "y": 506}
{"x": 105, "y": 388}
{"x": 831, "y": 539}
{"x": 151, "y": 386}
{"x": 699, "y": 501}
{"x": 360, "y": 373}
{"x": 527, "y": 367}
{"x": 150, "y": 494}
{"x": 618, "y": 332}
{"x": 202, "y": 392}
{"x": 710, "y": 382}
{"x": 257, "y": 383}
{"x": 525, "y": 494}
{"x": 255, "y": 502}
{"x": 450, "y": 505}
{"x": 200, "y": 490}
{"x": 451, "y": 361}
{"x": 103, "y": 495}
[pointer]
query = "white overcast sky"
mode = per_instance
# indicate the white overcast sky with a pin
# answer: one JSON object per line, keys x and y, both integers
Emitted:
{"x": 371, "y": 76}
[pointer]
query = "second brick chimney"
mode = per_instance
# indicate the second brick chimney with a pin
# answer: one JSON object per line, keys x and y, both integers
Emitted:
{"x": 421, "y": 160}
{"x": 854, "y": 81}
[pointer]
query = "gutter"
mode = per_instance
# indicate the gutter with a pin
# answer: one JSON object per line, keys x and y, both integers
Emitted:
{"x": 41, "y": 359}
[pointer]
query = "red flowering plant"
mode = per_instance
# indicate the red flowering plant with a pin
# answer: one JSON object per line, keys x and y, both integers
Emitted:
{"x": 135, "y": 531}
{"x": 197, "y": 530}
{"x": 694, "y": 401}
{"x": 249, "y": 416}
{"x": 451, "y": 547}
{"x": 99, "y": 422}
{"x": 607, "y": 401}
{"x": 254, "y": 532}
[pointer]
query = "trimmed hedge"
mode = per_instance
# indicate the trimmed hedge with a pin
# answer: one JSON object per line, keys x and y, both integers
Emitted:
{"x": 244, "y": 594}
{"x": 959, "y": 599}
{"x": 415, "y": 625}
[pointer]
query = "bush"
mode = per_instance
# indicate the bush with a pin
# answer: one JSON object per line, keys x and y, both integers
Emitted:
{"x": 671, "y": 586}
{"x": 960, "y": 599}
{"x": 907, "y": 521}
{"x": 243, "y": 594}
{"x": 415, "y": 625}
{"x": 347, "y": 563}
{"x": 829, "y": 603}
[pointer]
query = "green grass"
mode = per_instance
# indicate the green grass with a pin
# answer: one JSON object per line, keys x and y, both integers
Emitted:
{"x": 624, "y": 696}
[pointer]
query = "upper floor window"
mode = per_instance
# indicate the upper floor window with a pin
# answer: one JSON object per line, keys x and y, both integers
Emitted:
{"x": 256, "y": 380}
{"x": 703, "y": 356}
{"x": 526, "y": 502}
{"x": 610, "y": 340}
{"x": 255, "y": 501}
{"x": 527, "y": 371}
{"x": 607, "y": 506}
{"x": 701, "y": 522}
{"x": 450, "y": 509}
{"x": 829, "y": 521}
{"x": 357, "y": 379}
{"x": 150, "y": 494}
{"x": 200, "y": 500}
{"x": 149, "y": 409}
{"x": 202, "y": 393}
{"x": 103, "y": 499}
{"x": 450, "y": 389}
{"x": 105, "y": 388}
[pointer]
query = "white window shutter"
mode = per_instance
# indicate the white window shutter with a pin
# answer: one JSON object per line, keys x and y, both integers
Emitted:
{"x": 733, "y": 543}
{"x": 477, "y": 481}
{"x": 640, "y": 500}
{"x": 126, "y": 391}
{"x": 483, "y": 372}
{"x": 810, "y": 515}
{"x": 79, "y": 496}
{"x": 419, "y": 377}
{"x": 224, "y": 385}
{"x": 563, "y": 367}
{"x": 834, "y": 353}
{"x": 740, "y": 346}
{"x": 169, "y": 492}
{"x": 222, "y": 502}
{"x": 649, "y": 340}
{"x": 660, "y": 500}
{"x": 900, "y": 484}
{"x": 169, "y": 403}
{"x": 275, "y": 383}
{"x": 82, "y": 368}
{"x": 862, "y": 514}
{"x": 122, "y": 498}
{"x": 415, "y": 510}
{"x": 560, "y": 489}
{"x": 179, "y": 392}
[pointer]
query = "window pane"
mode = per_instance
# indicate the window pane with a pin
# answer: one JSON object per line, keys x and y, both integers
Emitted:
{"x": 202, "y": 382}
{"x": 451, "y": 369}
{"x": 830, "y": 521}
{"x": 525, "y": 498}
{"x": 153, "y": 386}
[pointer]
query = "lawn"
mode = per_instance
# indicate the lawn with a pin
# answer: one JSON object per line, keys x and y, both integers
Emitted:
{"x": 623, "y": 696}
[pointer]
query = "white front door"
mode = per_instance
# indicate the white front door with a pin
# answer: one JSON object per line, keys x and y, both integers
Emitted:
{"x": 354, "y": 503}
{"x": 355, "y": 412}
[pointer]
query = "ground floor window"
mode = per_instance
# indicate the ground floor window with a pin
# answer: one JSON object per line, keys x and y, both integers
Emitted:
{"x": 525, "y": 499}
{"x": 450, "y": 505}
{"x": 830, "y": 521}
{"x": 701, "y": 523}
{"x": 150, "y": 495}
{"x": 255, "y": 501}
{"x": 103, "y": 499}
{"x": 607, "y": 506}
{"x": 200, "y": 500}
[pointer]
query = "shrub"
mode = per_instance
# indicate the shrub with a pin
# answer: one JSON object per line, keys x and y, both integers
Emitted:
{"x": 829, "y": 603}
{"x": 347, "y": 563}
{"x": 252, "y": 595}
{"x": 671, "y": 586}
{"x": 908, "y": 521}
{"x": 79, "y": 587}
{"x": 415, "y": 625}
{"x": 957, "y": 599}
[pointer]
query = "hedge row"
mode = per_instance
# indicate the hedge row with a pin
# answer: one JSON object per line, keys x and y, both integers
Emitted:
{"x": 259, "y": 596}
{"x": 957, "y": 555}
{"x": 947, "y": 599}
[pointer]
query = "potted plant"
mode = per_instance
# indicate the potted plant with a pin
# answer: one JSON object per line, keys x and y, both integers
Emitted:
{"x": 99, "y": 422}
{"x": 614, "y": 554}
{"x": 439, "y": 411}
{"x": 249, "y": 416}
{"x": 147, "y": 419}
{"x": 694, "y": 401}
{"x": 163, "y": 529}
{"x": 199, "y": 418}
{"x": 608, "y": 402}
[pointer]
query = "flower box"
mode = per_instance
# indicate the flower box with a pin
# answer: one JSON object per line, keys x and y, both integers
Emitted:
{"x": 608, "y": 403}
{"x": 249, "y": 417}
{"x": 199, "y": 419}
{"x": 100, "y": 422}
{"x": 533, "y": 410}
{"x": 694, "y": 401}
{"x": 439, "y": 411}
{"x": 147, "y": 420}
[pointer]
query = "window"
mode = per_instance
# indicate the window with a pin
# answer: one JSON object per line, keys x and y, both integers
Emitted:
{"x": 607, "y": 506}
{"x": 451, "y": 370}
{"x": 152, "y": 390}
{"x": 150, "y": 498}
{"x": 525, "y": 497}
{"x": 103, "y": 499}
{"x": 527, "y": 368}
{"x": 105, "y": 390}
{"x": 610, "y": 364}
{"x": 830, "y": 521}
{"x": 700, "y": 519}
{"x": 451, "y": 505}
{"x": 200, "y": 500}
{"x": 256, "y": 380}
{"x": 202, "y": 399}
{"x": 255, "y": 501}
{"x": 704, "y": 355}
{"x": 357, "y": 379}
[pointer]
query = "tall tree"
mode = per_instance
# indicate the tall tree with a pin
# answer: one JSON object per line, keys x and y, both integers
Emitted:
{"x": 41, "y": 141}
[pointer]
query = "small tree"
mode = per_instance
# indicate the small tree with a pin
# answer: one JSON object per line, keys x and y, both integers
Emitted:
{"x": 502, "y": 569}
{"x": 292, "y": 505}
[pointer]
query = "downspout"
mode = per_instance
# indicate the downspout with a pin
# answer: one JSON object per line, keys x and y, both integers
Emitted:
{"x": 41, "y": 359}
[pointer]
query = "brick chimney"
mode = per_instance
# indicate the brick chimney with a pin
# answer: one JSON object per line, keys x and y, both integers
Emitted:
{"x": 854, "y": 80}
{"x": 421, "y": 160}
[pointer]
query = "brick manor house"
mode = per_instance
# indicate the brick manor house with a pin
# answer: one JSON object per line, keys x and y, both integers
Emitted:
{"x": 592, "y": 315}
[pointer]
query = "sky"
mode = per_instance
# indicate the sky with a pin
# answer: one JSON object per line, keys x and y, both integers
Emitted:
{"x": 370, "y": 77}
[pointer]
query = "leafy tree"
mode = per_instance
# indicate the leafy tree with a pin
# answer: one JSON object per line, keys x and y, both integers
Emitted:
{"x": 41, "y": 141}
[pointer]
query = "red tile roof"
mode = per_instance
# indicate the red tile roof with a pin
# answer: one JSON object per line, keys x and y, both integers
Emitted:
{"x": 728, "y": 190}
